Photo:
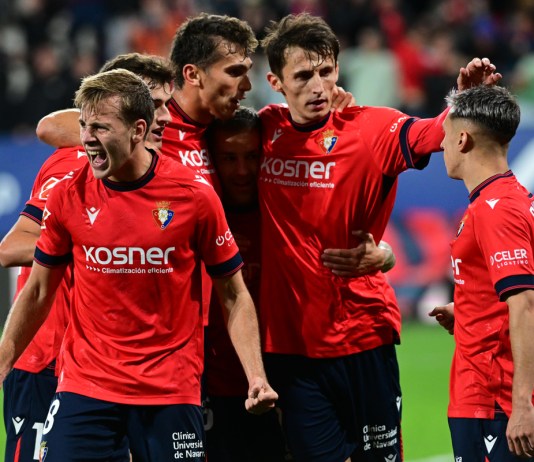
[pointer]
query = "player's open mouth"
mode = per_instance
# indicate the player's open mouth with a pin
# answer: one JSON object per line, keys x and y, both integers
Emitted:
{"x": 158, "y": 132}
{"x": 318, "y": 103}
{"x": 96, "y": 158}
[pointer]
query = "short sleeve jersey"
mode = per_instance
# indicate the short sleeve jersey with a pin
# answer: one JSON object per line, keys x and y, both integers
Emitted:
{"x": 491, "y": 255}
{"x": 136, "y": 329}
{"x": 45, "y": 346}
{"x": 318, "y": 184}
{"x": 224, "y": 374}
{"x": 184, "y": 141}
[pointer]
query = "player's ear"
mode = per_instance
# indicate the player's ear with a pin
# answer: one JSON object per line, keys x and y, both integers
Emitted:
{"x": 191, "y": 74}
{"x": 465, "y": 142}
{"x": 275, "y": 82}
{"x": 140, "y": 130}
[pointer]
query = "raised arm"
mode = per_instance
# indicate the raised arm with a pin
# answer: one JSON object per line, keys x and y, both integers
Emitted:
{"x": 60, "y": 129}
{"x": 520, "y": 430}
{"x": 18, "y": 245}
{"x": 244, "y": 332}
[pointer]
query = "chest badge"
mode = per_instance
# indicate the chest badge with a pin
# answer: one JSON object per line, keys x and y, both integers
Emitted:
{"x": 162, "y": 215}
{"x": 327, "y": 140}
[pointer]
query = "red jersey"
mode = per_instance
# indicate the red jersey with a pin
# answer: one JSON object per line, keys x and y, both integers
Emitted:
{"x": 136, "y": 330}
{"x": 184, "y": 140}
{"x": 317, "y": 184}
{"x": 45, "y": 346}
{"x": 491, "y": 255}
{"x": 224, "y": 373}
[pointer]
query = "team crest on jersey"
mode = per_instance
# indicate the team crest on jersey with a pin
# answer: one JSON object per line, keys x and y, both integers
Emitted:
{"x": 43, "y": 451}
{"x": 327, "y": 141}
{"x": 163, "y": 215}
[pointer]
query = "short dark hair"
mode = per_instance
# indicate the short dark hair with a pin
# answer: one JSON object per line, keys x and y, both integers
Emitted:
{"x": 197, "y": 39}
{"x": 311, "y": 33}
{"x": 135, "y": 99}
{"x": 155, "y": 70}
{"x": 244, "y": 119}
{"x": 492, "y": 108}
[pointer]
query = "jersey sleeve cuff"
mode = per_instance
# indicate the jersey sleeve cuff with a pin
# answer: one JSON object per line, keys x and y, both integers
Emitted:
{"x": 511, "y": 283}
{"x": 33, "y": 213}
{"x": 51, "y": 261}
{"x": 226, "y": 268}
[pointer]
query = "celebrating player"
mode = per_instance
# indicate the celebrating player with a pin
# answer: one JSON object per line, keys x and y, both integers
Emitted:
{"x": 29, "y": 388}
{"x": 331, "y": 340}
{"x": 491, "y": 411}
{"x": 131, "y": 357}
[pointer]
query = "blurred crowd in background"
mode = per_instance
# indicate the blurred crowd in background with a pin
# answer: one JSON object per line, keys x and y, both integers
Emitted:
{"x": 399, "y": 53}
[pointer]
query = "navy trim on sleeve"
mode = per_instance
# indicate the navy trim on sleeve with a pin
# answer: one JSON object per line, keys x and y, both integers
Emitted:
{"x": 405, "y": 146}
{"x": 227, "y": 268}
{"x": 521, "y": 281}
{"x": 51, "y": 261}
{"x": 33, "y": 212}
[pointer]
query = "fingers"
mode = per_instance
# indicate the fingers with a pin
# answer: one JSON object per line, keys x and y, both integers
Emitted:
{"x": 261, "y": 401}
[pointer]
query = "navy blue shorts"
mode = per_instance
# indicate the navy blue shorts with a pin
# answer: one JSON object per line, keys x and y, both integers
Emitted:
{"x": 27, "y": 397}
{"x": 85, "y": 429}
{"x": 335, "y": 408}
{"x": 481, "y": 440}
{"x": 235, "y": 435}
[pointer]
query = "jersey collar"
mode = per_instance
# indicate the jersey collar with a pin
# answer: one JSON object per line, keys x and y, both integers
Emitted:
{"x": 476, "y": 192}
{"x": 139, "y": 183}
{"x": 309, "y": 127}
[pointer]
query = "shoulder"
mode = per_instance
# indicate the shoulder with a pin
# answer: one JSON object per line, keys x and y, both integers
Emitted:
{"x": 181, "y": 175}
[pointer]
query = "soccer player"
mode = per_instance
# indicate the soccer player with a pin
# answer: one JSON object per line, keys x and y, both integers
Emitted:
{"x": 330, "y": 341}
{"x": 211, "y": 55}
{"x": 29, "y": 388}
{"x": 491, "y": 411}
{"x": 132, "y": 353}
{"x": 234, "y": 435}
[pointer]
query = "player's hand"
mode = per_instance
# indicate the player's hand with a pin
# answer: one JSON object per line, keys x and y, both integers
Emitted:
{"x": 365, "y": 258}
{"x": 261, "y": 397}
{"x": 520, "y": 431}
{"x": 444, "y": 316}
{"x": 342, "y": 99}
{"x": 478, "y": 71}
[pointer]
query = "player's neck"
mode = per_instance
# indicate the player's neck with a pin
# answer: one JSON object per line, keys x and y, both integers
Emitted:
{"x": 189, "y": 101}
{"x": 478, "y": 174}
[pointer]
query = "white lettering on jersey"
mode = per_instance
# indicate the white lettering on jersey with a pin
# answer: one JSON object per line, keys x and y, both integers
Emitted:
{"x": 227, "y": 237}
{"x": 195, "y": 158}
{"x": 396, "y": 124}
{"x": 456, "y": 270}
{"x": 46, "y": 214}
{"x": 509, "y": 257}
{"x": 292, "y": 168}
{"x": 127, "y": 255}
